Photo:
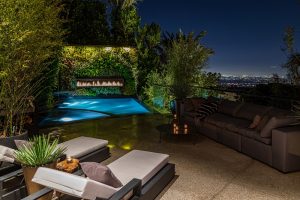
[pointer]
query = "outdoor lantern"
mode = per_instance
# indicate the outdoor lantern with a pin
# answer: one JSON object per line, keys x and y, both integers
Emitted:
{"x": 69, "y": 159}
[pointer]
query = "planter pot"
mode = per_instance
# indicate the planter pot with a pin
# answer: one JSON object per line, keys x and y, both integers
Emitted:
{"x": 34, "y": 187}
{"x": 10, "y": 141}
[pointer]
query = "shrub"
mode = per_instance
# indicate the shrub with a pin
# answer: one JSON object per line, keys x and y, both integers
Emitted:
{"x": 39, "y": 152}
{"x": 95, "y": 62}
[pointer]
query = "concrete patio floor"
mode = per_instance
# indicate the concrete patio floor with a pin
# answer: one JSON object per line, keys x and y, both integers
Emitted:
{"x": 205, "y": 170}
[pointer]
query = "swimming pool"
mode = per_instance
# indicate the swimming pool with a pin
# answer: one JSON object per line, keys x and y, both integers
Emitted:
{"x": 74, "y": 109}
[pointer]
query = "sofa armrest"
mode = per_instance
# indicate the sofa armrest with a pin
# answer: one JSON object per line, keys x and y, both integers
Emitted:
{"x": 133, "y": 186}
{"x": 286, "y": 148}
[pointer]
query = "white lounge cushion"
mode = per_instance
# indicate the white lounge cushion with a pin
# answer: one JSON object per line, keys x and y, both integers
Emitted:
{"x": 138, "y": 164}
{"x": 81, "y": 146}
{"x": 73, "y": 185}
{"x": 7, "y": 154}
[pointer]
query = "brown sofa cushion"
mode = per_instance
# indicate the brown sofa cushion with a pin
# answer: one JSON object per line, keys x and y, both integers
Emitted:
{"x": 261, "y": 139}
{"x": 249, "y": 111}
{"x": 227, "y": 122}
{"x": 229, "y": 107}
{"x": 276, "y": 122}
{"x": 244, "y": 131}
{"x": 100, "y": 173}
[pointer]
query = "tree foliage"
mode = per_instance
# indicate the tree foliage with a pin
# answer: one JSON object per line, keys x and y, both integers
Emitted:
{"x": 30, "y": 37}
{"x": 185, "y": 59}
{"x": 87, "y": 62}
{"x": 293, "y": 56}
{"x": 124, "y": 22}
{"x": 147, "y": 42}
{"x": 87, "y": 22}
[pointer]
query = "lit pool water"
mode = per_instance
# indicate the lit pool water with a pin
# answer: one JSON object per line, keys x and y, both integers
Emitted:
{"x": 74, "y": 109}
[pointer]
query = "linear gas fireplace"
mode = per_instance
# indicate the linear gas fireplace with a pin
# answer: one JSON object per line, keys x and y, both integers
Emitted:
{"x": 100, "y": 82}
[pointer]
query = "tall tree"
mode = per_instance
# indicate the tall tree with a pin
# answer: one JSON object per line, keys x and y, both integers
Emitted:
{"x": 87, "y": 22}
{"x": 293, "y": 56}
{"x": 147, "y": 42}
{"x": 186, "y": 57}
{"x": 124, "y": 21}
{"x": 30, "y": 37}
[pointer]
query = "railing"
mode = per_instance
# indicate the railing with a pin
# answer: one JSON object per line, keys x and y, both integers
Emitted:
{"x": 237, "y": 94}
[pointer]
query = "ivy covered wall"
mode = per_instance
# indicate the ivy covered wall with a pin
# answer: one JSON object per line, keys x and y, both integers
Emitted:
{"x": 95, "y": 62}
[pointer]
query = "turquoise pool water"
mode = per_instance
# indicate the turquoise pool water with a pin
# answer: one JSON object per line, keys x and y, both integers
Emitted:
{"x": 74, "y": 109}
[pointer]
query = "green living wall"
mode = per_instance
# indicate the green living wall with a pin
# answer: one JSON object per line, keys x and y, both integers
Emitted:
{"x": 95, "y": 62}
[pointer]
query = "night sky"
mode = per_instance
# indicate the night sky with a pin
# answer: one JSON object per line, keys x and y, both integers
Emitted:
{"x": 246, "y": 35}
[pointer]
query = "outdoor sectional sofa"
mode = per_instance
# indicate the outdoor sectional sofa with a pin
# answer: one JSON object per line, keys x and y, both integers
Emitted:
{"x": 275, "y": 141}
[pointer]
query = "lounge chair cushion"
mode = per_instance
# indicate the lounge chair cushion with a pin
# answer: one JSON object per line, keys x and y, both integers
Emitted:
{"x": 81, "y": 146}
{"x": 73, "y": 185}
{"x": 138, "y": 164}
{"x": 7, "y": 154}
{"x": 100, "y": 173}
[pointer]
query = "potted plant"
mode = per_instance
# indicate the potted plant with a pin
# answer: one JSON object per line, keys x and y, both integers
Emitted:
{"x": 40, "y": 151}
{"x": 186, "y": 57}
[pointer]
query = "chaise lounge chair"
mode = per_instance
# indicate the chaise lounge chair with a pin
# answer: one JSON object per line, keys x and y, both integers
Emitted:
{"x": 83, "y": 148}
{"x": 143, "y": 175}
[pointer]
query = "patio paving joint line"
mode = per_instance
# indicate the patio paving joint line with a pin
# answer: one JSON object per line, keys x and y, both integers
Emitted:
{"x": 232, "y": 179}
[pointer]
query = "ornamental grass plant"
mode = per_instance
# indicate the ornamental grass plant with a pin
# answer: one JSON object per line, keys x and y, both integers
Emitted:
{"x": 40, "y": 152}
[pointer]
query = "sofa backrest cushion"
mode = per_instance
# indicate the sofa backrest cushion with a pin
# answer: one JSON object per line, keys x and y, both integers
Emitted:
{"x": 276, "y": 122}
{"x": 276, "y": 112}
{"x": 229, "y": 107}
{"x": 249, "y": 111}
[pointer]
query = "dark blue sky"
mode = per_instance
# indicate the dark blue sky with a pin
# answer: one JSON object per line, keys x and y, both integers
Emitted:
{"x": 246, "y": 35}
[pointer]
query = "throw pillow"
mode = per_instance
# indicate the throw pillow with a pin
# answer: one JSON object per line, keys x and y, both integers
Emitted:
{"x": 207, "y": 109}
{"x": 262, "y": 123}
{"x": 255, "y": 121}
{"x": 22, "y": 143}
{"x": 276, "y": 122}
{"x": 100, "y": 173}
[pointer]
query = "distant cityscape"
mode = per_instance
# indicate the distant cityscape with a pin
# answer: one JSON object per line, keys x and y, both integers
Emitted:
{"x": 250, "y": 81}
